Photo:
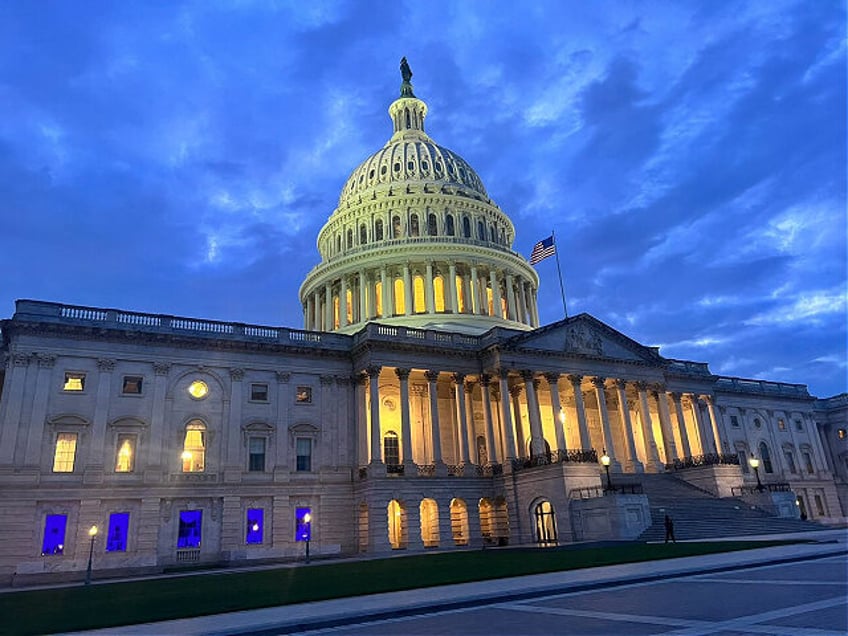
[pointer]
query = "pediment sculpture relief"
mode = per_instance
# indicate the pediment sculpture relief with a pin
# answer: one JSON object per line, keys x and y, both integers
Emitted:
{"x": 582, "y": 339}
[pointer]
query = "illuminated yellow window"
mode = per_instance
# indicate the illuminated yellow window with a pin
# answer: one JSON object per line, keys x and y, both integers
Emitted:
{"x": 419, "y": 304}
{"x": 126, "y": 454}
{"x": 460, "y": 295}
{"x": 74, "y": 382}
{"x": 400, "y": 299}
{"x": 349, "y": 310}
{"x": 439, "y": 292}
{"x": 65, "y": 453}
{"x": 194, "y": 448}
{"x": 335, "y": 312}
{"x": 198, "y": 389}
{"x": 490, "y": 301}
{"x": 504, "y": 311}
{"x": 378, "y": 299}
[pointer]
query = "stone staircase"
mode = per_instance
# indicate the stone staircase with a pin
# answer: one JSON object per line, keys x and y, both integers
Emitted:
{"x": 698, "y": 514}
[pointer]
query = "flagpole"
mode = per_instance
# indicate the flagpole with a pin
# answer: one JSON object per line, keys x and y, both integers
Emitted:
{"x": 559, "y": 271}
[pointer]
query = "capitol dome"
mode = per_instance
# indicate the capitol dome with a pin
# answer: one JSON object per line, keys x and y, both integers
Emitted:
{"x": 416, "y": 241}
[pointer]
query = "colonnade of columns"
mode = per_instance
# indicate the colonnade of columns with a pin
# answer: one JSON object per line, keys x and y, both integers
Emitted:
{"x": 624, "y": 413}
{"x": 427, "y": 287}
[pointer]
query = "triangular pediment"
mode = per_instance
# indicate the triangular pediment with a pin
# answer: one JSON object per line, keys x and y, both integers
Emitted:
{"x": 583, "y": 335}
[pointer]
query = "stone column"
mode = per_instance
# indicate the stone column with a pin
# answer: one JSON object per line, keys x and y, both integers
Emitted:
{"x": 496, "y": 293}
{"x": 557, "y": 412}
{"x": 651, "y": 455}
{"x": 534, "y": 307}
{"x": 520, "y": 440}
{"x": 363, "y": 297}
{"x": 510, "y": 298}
{"x": 343, "y": 302}
{"x": 329, "y": 323}
{"x": 94, "y": 463}
{"x": 233, "y": 470}
{"x": 491, "y": 445}
{"x": 471, "y": 440}
{"x": 506, "y": 417}
{"x": 374, "y": 390}
{"x": 429, "y": 294}
{"x": 35, "y": 433}
{"x": 632, "y": 464}
{"x": 714, "y": 424}
{"x": 522, "y": 298}
{"x": 699, "y": 423}
{"x": 601, "y": 397}
{"x": 317, "y": 323}
{"x": 451, "y": 288}
{"x": 407, "y": 290}
{"x": 309, "y": 316}
{"x": 466, "y": 294}
{"x": 362, "y": 440}
{"x": 459, "y": 396}
{"x": 681, "y": 424}
{"x": 405, "y": 420}
{"x": 432, "y": 379}
{"x": 475, "y": 291}
{"x": 665, "y": 424}
{"x": 580, "y": 407}
{"x": 537, "y": 438}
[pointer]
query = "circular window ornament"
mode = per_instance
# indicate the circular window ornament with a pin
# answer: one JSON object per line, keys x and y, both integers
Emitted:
{"x": 198, "y": 389}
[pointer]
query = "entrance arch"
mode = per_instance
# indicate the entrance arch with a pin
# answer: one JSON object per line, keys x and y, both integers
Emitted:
{"x": 544, "y": 523}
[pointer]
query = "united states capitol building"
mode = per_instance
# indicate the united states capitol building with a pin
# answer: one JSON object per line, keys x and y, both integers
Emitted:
{"x": 422, "y": 406}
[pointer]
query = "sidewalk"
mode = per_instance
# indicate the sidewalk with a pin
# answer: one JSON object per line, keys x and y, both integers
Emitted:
{"x": 322, "y": 614}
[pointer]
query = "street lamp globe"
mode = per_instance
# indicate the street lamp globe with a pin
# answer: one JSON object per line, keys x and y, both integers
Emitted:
{"x": 92, "y": 531}
{"x": 605, "y": 459}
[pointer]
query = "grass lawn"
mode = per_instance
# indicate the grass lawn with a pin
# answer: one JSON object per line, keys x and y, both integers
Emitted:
{"x": 112, "y": 604}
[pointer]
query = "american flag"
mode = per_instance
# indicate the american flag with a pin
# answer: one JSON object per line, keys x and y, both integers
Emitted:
{"x": 542, "y": 250}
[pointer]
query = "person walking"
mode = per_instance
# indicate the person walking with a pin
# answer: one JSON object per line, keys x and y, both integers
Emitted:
{"x": 669, "y": 530}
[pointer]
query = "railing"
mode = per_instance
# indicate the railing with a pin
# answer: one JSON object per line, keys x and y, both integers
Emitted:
{"x": 744, "y": 385}
{"x": 188, "y": 555}
{"x": 592, "y": 492}
{"x": 587, "y": 456}
{"x": 455, "y": 470}
{"x": 394, "y": 469}
{"x": 488, "y": 470}
{"x": 711, "y": 459}
{"x": 377, "y": 331}
{"x": 755, "y": 490}
{"x": 426, "y": 470}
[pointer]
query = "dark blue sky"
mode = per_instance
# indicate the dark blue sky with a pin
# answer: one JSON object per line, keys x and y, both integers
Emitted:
{"x": 181, "y": 157}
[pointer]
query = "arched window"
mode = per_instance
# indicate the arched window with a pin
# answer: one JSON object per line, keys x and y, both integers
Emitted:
{"x": 397, "y": 525}
{"x": 432, "y": 228}
{"x": 408, "y": 121}
{"x": 363, "y": 234}
{"x": 391, "y": 449}
{"x": 466, "y": 227}
{"x": 400, "y": 298}
{"x": 413, "y": 225}
{"x": 194, "y": 447}
{"x": 349, "y": 306}
{"x": 503, "y": 237}
{"x": 789, "y": 456}
{"x": 481, "y": 231}
{"x": 449, "y": 228}
{"x": 349, "y": 239}
{"x": 378, "y": 230}
{"x": 492, "y": 236}
{"x": 545, "y": 523}
{"x": 338, "y": 243}
{"x": 765, "y": 457}
{"x": 439, "y": 292}
{"x": 419, "y": 303}
{"x": 459, "y": 522}
{"x": 395, "y": 227}
{"x": 429, "y": 511}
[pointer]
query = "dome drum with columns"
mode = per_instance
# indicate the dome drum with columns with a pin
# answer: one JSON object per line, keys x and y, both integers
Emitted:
{"x": 416, "y": 241}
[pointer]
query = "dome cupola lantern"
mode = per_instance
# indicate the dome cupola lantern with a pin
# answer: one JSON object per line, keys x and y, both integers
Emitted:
{"x": 416, "y": 241}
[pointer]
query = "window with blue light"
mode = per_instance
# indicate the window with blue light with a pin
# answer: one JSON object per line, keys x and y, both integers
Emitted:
{"x": 116, "y": 538}
{"x": 255, "y": 517}
{"x": 54, "y": 535}
{"x": 303, "y": 522}
{"x": 189, "y": 531}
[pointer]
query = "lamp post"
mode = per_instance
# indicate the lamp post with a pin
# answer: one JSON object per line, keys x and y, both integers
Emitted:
{"x": 755, "y": 464}
{"x": 307, "y": 519}
{"x": 605, "y": 460}
{"x": 92, "y": 532}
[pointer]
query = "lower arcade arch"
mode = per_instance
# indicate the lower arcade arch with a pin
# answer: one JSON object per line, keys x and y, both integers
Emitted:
{"x": 429, "y": 511}
{"x": 544, "y": 523}
{"x": 459, "y": 522}
{"x": 398, "y": 533}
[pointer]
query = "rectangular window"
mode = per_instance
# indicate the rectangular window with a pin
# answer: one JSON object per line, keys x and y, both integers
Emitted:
{"x": 54, "y": 535}
{"x": 303, "y": 395}
{"x": 808, "y": 462}
{"x": 743, "y": 460}
{"x": 259, "y": 392}
{"x": 116, "y": 539}
{"x": 781, "y": 424}
{"x": 74, "y": 382}
{"x": 734, "y": 421}
{"x": 65, "y": 453}
{"x": 188, "y": 535}
{"x": 256, "y": 454}
{"x": 304, "y": 454}
{"x": 790, "y": 461}
{"x": 799, "y": 425}
{"x": 132, "y": 385}
{"x": 303, "y": 524}
{"x": 819, "y": 505}
{"x": 255, "y": 517}
{"x": 125, "y": 459}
